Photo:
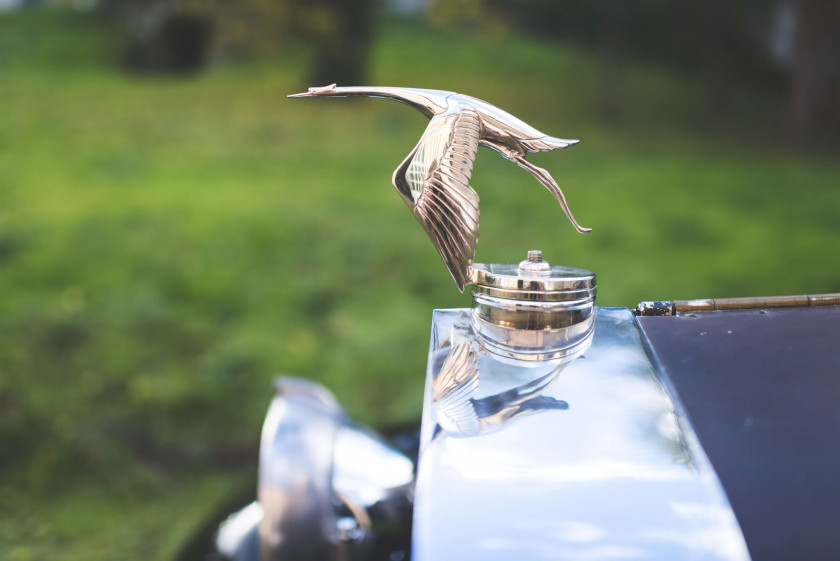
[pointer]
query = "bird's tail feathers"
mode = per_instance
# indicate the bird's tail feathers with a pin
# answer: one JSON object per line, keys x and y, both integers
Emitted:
{"x": 548, "y": 143}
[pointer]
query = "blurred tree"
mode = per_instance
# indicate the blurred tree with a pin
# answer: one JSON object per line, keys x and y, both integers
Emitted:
{"x": 175, "y": 35}
{"x": 340, "y": 33}
{"x": 611, "y": 37}
{"x": 246, "y": 26}
{"x": 181, "y": 44}
{"x": 447, "y": 12}
{"x": 815, "y": 80}
{"x": 482, "y": 14}
{"x": 165, "y": 38}
{"x": 727, "y": 42}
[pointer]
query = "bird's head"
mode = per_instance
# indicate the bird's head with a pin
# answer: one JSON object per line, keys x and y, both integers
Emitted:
{"x": 330, "y": 90}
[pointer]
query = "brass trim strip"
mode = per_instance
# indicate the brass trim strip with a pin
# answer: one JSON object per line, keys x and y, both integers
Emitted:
{"x": 798, "y": 301}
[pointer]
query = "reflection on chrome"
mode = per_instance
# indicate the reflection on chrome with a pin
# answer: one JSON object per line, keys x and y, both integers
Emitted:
{"x": 617, "y": 473}
{"x": 460, "y": 411}
{"x": 328, "y": 488}
{"x": 236, "y": 538}
{"x": 453, "y": 389}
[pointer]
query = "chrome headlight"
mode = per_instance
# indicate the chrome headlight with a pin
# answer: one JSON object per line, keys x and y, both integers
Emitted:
{"x": 328, "y": 488}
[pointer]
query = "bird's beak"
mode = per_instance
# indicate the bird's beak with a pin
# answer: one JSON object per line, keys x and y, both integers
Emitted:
{"x": 313, "y": 92}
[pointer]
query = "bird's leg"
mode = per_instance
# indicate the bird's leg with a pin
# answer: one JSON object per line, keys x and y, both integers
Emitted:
{"x": 545, "y": 178}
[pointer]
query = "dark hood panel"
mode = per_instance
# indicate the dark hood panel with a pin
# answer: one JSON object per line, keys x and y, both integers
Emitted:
{"x": 762, "y": 389}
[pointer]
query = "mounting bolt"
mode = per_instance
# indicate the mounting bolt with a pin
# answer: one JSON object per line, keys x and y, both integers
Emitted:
{"x": 535, "y": 264}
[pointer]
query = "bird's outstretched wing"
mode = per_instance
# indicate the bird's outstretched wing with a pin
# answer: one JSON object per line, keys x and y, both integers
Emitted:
{"x": 434, "y": 182}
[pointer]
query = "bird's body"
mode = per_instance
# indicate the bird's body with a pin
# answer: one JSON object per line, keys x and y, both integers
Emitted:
{"x": 433, "y": 180}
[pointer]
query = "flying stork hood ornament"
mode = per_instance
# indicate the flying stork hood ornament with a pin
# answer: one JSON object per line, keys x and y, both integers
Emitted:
{"x": 514, "y": 423}
{"x": 433, "y": 180}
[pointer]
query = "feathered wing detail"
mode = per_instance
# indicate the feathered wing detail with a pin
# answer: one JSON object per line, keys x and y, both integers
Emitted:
{"x": 546, "y": 143}
{"x": 434, "y": 182}
{"x": 454, "y": 387}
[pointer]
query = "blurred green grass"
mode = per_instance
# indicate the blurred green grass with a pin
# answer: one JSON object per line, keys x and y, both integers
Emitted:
{"x": 167, "y": 246}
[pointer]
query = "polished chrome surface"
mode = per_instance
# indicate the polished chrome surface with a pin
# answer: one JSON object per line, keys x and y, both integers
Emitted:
{"x": 237, "y": 537}
{"x": 666, "y": 308}
{"x": 526, "y": 281}
{"x": 598, "y": 461}
{"x": 654, "y": 308}
{"x": 798, "y": 301}
{"x": 531, "y": 331}
{"x": 535, "y": 264}
{"x": 328, "y": 488}
{"x": 463, "y": 408}
{"x": 532, "y": 311}
{"x": 433, "y": 180}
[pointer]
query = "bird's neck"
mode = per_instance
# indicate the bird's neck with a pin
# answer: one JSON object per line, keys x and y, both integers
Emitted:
{"x": 428, "y": 102}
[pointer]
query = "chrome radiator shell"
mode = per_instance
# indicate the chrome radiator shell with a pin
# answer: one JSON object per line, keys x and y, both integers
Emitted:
{"x": 616, "y": 473}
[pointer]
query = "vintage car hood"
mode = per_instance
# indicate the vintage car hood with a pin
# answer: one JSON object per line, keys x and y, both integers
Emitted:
{"x": 605, "y": 466}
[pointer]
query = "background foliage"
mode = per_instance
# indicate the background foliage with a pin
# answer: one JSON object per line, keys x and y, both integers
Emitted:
{"x": 168, "y": 245}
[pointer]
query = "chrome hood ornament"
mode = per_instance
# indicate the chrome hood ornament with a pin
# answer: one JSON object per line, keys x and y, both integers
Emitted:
{"x": 433, "y": 180}
{"x": 548, "y": 429}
